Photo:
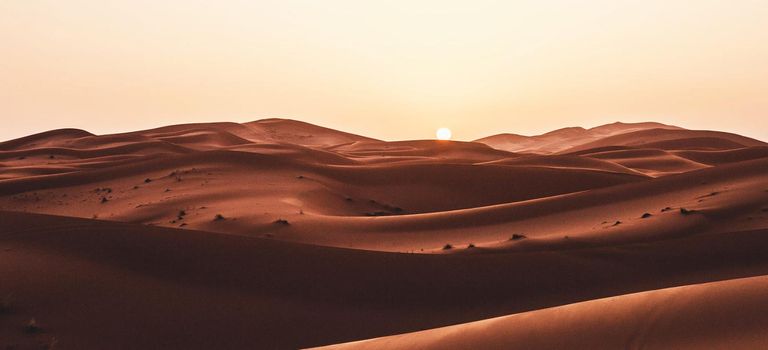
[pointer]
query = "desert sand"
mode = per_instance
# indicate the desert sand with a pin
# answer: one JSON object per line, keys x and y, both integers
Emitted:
{"x": 278, "y": 234}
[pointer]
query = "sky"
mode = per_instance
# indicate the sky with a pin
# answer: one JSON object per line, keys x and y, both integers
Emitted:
{"x": 386, "y": 69}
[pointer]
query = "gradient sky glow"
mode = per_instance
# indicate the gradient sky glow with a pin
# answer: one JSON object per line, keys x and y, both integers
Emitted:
{"x": 385, "y": 69}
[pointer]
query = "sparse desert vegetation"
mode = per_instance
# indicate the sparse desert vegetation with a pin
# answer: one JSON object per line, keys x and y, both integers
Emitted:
{"x": 32, "y": 327}
{"x": 282, "y": 222}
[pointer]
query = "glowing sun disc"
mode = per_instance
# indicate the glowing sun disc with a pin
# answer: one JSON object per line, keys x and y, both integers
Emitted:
{"x": 443, "y": 134}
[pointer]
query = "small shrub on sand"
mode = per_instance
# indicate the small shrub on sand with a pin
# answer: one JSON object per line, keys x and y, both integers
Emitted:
{"x": 471, "y": 245}
{"x": 686, "y": 211}
{"x": 218, "y": 217}
{"x": 518, "y": 236}
{"x": 32, "y": 327}
{"x": 646, "y": 215}
{"x": 447, "y": 247}
{"x": 104, "y": 199}
{"x": 176, "y": 174}
{"x": 147, "y": 180}
{"x": 282, "y": 222}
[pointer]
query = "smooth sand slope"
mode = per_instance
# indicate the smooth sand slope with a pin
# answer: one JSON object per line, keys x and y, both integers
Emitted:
{"x": 94, "y": 284}
{"x": 282, "y": 234}
{"x": 565, "y": 138}
{"x": 719, "y": 315}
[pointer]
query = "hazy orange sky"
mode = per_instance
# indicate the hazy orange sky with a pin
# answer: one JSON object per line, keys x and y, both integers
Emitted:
{"x": 386, "y": 69}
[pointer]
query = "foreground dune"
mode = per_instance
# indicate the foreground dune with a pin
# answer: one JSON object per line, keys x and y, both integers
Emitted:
{"x": 93, "y": 284}
{"x": 719, "y": 315}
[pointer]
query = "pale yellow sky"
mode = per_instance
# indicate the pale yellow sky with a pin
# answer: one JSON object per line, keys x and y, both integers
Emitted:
{"x": 386, "y": 69}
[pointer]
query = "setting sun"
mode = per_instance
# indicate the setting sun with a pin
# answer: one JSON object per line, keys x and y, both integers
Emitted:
{"x": 443, "y": 134}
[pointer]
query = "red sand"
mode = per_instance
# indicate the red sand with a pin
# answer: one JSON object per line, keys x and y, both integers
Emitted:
{"x": 269, "y": 273}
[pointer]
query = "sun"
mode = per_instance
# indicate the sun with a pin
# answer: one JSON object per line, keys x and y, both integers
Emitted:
{"x": 443, "y": 134}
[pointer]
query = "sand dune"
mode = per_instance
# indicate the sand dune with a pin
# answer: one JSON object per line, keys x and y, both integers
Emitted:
{"x": 429, "y": 151}
{"x": 296, "y": 132}
{"x": 567, "y": 162}
{"x": 719, "y": 315}
{"x": 726, "y": 156}
{"x": 282, "y": 234}
{"x": 674, "y": 139}
{"x": 566, "y": 138}
{"x": 44, "y": 139}
{"x": 361, "y": 193}
{"x": 651, "y": 161}
{"x": 92, "y": 283}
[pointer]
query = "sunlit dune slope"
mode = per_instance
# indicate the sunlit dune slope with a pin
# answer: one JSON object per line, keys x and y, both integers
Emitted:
{"x": 674, "y": 139}
{"x": 295, "y": 181}
{"x": 563, "y": 139}
{"x": 720, "y": 315}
